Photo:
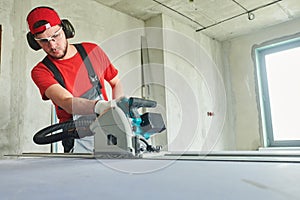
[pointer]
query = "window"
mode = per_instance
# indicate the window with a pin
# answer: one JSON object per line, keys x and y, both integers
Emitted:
{"x": 278, "y": 75}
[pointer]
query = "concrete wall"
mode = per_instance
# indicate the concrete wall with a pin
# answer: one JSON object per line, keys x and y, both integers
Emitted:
{"x": 13, "y": 77}
{"x": 204, "y": 75}
{"x": 154, "y": 76}
{"x": 194, "y": 86}
{"x": 185, "y": 76}
{"x": 27, "y": 113}
{"x": 240, "y": 63}
{"x": 6, "y": 123}
{"x": 200, "y": 75}
{"x": 22, "y": 110}
{"x": 194, "y": 64}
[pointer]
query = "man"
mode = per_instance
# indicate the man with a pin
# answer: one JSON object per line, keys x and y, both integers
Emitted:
{"x": 75, "y": 98}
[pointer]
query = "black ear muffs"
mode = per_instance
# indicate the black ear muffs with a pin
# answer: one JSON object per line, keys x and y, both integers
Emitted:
{"x": 32, "y": 42}
{"x": 67, "y": 28}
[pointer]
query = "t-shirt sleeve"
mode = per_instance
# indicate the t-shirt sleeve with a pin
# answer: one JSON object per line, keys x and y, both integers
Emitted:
{"x": 109, "y": 70}
{"x": 43, "y": 78}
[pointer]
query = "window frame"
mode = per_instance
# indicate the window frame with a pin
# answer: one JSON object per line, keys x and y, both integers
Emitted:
{"x": 262, "y": 82}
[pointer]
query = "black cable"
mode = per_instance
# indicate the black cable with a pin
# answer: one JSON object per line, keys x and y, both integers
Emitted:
{"x": 247, "y": 12}
{"x": 240, "y": 5}
{"x": 244, "y": 13}
{"x": 164, "y": 5}
{"x": 149, "y": 147}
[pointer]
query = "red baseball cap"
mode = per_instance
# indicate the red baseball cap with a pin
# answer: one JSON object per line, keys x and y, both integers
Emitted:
{"x": 42, "y": 13}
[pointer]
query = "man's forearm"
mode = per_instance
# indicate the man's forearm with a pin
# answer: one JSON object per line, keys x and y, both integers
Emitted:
{"x": 117, "y": 90}
{"x": 79, "y": 106}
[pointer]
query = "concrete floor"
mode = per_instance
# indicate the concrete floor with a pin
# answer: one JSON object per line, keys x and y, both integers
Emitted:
{"x": 90, "y": 178}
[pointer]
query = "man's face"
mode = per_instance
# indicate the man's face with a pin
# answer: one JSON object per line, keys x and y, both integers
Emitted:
{"x": 53, "y": 41}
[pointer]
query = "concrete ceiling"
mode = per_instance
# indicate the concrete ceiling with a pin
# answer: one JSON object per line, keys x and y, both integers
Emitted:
{"x": 219, "y": 19}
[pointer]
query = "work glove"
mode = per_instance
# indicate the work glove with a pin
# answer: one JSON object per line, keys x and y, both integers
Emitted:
{"x": 102, "y": 106}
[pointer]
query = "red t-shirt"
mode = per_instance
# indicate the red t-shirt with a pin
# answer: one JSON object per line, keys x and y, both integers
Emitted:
{"x": 75, "y": 74}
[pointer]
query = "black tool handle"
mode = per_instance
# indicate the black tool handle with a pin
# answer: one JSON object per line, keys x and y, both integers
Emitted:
{"x": 136, "y": 103}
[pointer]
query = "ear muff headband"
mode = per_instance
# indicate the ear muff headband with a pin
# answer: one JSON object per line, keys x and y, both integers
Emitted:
{"x": 67, "y": 28}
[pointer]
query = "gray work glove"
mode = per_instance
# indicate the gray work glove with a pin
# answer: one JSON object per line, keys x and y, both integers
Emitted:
{"x": 102, "y": 106}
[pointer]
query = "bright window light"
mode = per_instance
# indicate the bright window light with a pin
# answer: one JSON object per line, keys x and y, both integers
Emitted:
{"x": 283, "y": 77}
